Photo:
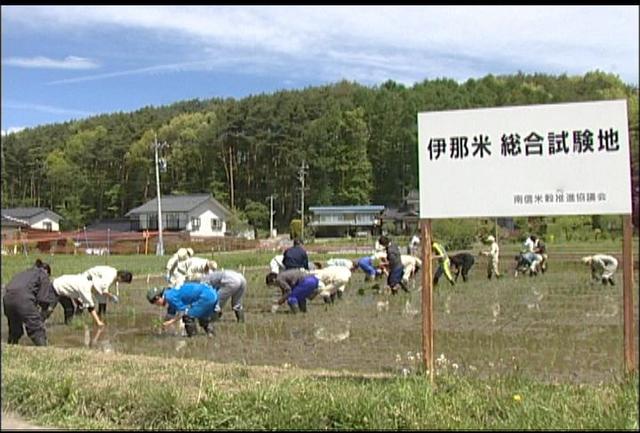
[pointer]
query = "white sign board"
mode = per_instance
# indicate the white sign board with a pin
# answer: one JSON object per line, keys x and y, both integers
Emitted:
{"x": 554, "y": 159}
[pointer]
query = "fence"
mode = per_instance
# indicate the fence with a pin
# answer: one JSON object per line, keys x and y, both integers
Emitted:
{"x": 102, "y": 242}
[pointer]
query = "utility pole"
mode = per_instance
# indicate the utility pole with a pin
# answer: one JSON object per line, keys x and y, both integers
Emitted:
{"x": 156, "y": 146}
{"x": 303, "y": 171}
{"x": 271, "y": 214}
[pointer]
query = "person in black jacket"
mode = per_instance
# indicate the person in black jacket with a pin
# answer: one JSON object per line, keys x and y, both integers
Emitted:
{"x": 296, "y": 257}
{"x": 394, "y": 264}
{"x": 24, "y": 296}
{"x": 461, "y": 262}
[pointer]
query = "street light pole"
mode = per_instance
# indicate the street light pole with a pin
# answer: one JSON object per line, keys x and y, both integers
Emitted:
{"x": 156, "y": 146}
{"x": 301, "y": 174}
{"x": 271, "y": 213}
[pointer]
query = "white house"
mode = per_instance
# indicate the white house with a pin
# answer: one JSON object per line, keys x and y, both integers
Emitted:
{"x": 198, "y": 214}
{"x": 33, "y": 217}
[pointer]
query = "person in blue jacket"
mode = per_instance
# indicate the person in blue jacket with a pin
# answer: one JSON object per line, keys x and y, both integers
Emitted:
{"x": 296, "y": 287}
{"x": 369, "y": 265}
{"x": 192, "y": 301}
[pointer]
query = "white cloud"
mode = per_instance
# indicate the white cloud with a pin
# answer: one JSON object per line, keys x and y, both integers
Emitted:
{"x": 12, "y": 130}
{"x": 390, "y": 41}
{"x": 69, "y": 62}
{"x": 46, "y": 108}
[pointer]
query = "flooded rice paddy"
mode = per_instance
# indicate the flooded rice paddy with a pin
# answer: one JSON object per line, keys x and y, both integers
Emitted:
{"x": 555, "y": 327}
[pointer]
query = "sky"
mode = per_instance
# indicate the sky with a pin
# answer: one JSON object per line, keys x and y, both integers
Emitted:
{"x": 62, "y": 63}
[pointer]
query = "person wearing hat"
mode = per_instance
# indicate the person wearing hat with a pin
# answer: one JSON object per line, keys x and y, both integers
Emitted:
{"x": 177, "y": 267}
{"x": 192, "y": 302}
{"x": 603, "y": 266}
{"x": 443, "y": 263}
{"x": 197, "y": 267}
{"x": 494, "y": 252}
{"x": 230, "y": 284}
{"x": 23, "y": 295}
{"x": 103, "y": 277}
{"x": 296, "y": 287}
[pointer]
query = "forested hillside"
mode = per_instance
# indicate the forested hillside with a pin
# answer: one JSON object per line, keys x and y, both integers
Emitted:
{"x": 360, "y": 144}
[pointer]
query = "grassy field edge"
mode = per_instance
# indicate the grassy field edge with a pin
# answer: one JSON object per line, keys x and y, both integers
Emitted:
{"x": 79, "y": 388}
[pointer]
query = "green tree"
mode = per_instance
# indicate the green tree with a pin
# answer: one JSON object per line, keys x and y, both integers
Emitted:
{"x": 257, "y": 214}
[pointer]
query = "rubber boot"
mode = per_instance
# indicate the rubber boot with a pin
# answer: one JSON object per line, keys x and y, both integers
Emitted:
{"x": 216, "y": 316}
{"x": 39, "y": 339}
{"x": 294, "y": 308}
{"x": 190, "y": 326}
{"x": 303, "y": 307}
{"x": 207, "y": 325}
{"x": 611, "y": 281}
{"x": 68, "y": 315}
{"x": 239, "y": 315}
{"x": 45, "y": 312}
{"x": 102, "y": 310}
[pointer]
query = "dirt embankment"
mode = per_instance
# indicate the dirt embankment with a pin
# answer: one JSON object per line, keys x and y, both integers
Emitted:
{"x": 11, "y": 421}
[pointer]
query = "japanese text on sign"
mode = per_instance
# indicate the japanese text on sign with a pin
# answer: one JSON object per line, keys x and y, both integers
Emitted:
{"x": 553, "y": 159}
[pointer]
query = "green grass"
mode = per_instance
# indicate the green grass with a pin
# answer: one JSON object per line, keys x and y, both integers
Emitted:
{"x": 54, "y": 387}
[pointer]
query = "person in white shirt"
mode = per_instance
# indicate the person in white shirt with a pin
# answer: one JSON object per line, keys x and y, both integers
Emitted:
{"x": 103, "y": 277}
{"x": 276, "y": 265}
{"x": 494, "y": 261}
{"x": 411, "y": 265}
{"x": 529, "y": 244}
{"x": 603, "y": 266}
{"x": 333, "y": 281}
{"x": 340, "y": 262}
{"x": 73, "y": 287}
{"x": 176, "y": 266}
{"x": 414, "y": 244}
{"x": 197, "y": 267}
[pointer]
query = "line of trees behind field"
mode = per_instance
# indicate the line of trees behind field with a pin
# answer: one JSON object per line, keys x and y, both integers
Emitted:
{"x": 360, "y": 145}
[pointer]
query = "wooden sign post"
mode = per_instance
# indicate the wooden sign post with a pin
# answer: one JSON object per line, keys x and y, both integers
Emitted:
{"x": 427, "y": 297}
{"x": 627, "y": 294}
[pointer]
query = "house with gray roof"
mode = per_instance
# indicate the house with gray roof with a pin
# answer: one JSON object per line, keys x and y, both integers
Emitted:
{"x": 32, "y": 217}
{"x": 199, "y": 214}
{"x": 361, "y": 220}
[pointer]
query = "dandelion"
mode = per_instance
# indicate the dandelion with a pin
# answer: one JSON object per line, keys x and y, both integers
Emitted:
{"x": 405, "y": 372}
{"x": 517, "y": 397}
{"x": 455, "y": 366}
